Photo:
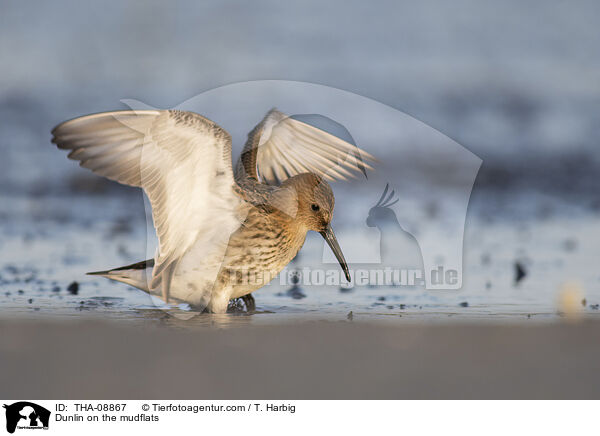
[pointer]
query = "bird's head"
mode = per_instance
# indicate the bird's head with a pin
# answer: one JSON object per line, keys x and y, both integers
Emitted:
{"x": 314, "y": 209}
{"x": 315, "y": 201}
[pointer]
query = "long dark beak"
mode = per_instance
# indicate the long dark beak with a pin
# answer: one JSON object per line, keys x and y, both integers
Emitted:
{"x": 329, "y": 236}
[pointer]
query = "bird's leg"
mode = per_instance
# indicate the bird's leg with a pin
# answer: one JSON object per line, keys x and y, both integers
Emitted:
{"x": 236, "y": 307}
{"x": 248, "y": 300}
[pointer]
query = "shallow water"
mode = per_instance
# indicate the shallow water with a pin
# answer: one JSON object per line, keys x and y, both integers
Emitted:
{"x": 49, "y": 242}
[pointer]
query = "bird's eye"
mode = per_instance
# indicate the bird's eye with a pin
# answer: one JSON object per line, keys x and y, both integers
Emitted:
{"x": 314, "y": 207}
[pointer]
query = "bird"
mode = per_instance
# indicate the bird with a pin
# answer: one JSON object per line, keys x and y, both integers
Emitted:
{"x": 222, "y": 232}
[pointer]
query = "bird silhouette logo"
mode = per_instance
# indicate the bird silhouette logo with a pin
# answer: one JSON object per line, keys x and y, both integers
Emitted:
{"x": 381, "y": 214}
{"x": 398, "y": 247}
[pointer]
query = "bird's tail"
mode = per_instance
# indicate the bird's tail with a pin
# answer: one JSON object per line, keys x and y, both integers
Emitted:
{"x": 137, "y": 274}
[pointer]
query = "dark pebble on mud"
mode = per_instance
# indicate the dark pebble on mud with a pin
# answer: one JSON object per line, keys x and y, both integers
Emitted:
{"x": 520, "y": 272}
{"x": 20, "y": 291}
{"x": 73, "y": 288}
{"x": 30, "y": 300}
{"x": 464, "y": 304}
{"x": 296, "y": 293}
{"x": 56, "y": 289}
{"x": 381, "y": 299}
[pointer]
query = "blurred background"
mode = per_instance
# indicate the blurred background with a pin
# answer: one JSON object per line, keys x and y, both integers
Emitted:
{"x": 516, "y": 83}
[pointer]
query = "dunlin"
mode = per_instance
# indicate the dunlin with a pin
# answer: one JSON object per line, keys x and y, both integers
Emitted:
{"x": 222, "y": 234}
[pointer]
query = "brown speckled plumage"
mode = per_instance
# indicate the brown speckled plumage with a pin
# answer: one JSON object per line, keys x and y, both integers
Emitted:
{"x": 270, "y": 238}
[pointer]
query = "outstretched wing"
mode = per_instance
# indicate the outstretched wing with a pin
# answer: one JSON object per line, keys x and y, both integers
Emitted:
{"x": 181, "y": 160}
{"x": 280, "y": 147}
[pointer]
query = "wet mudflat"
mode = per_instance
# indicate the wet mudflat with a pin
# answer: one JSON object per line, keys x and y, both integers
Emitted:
{"x": 514, "y": 270}
{"x": 308, "y": 360}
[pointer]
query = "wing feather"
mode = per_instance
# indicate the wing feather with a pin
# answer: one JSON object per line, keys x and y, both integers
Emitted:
{"x": 173, "y": 156}
{"x": 280, "y": 147}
